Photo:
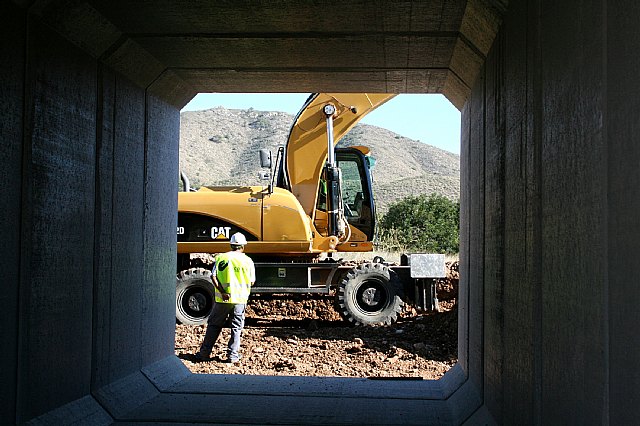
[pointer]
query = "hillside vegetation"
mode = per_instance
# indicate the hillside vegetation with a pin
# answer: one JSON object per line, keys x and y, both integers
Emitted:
{"x": 220, "y": 146}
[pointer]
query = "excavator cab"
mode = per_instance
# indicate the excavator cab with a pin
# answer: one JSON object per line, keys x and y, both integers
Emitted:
{"x": 356, "y": 194}
{"x": 357, "y": 197}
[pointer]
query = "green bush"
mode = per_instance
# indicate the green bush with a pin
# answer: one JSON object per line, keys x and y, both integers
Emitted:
{"x": 421, "y": 224}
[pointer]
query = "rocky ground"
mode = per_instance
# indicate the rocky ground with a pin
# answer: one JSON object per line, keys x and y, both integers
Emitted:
{"x": 307, "y": 337}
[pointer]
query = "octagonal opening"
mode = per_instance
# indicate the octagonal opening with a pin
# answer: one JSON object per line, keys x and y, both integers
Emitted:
{"x": 301, "y": 334}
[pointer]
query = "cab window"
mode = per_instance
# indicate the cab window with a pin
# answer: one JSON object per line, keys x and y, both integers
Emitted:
{"x": 352, "y": 188}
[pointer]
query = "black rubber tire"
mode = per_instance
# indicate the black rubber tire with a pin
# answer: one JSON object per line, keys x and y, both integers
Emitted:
{"x": 194, "y": 296}
{"x": 370, "y": 294}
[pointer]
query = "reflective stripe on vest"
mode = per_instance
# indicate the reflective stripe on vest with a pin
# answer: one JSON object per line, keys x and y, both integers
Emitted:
{"x": 235, "y": 273}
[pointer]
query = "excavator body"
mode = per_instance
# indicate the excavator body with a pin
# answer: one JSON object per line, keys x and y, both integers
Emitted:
{"x": 318, "y": 201}
{"x": 290, "y": 217}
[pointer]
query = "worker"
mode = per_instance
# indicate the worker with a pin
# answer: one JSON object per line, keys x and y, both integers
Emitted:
{"x": 233, "y": 274}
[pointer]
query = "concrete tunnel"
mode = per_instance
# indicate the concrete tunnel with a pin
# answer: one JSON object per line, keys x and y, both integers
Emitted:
{"x": 91, "y": 93}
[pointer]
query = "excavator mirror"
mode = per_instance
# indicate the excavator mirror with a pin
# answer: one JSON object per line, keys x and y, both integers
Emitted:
{"x": 265, "y": 158}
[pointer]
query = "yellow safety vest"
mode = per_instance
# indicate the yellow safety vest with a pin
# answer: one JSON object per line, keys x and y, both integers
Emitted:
{"x": 235, "y": 273}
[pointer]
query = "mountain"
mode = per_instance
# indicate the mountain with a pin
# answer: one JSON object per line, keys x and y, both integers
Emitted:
{"x": 220, "y": 146}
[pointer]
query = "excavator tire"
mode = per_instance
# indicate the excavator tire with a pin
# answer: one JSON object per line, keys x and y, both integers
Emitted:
{"x": 194, "y": 296}
{"x": 370, "y": 294}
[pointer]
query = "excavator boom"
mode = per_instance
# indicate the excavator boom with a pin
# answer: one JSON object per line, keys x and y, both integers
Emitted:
{"x": 306, "y": 149}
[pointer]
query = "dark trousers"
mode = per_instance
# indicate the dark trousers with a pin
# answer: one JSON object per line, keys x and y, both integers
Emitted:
{"x": 219, "y": 315}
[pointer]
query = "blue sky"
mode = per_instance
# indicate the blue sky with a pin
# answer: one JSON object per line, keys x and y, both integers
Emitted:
{"x": 429, "y": 118}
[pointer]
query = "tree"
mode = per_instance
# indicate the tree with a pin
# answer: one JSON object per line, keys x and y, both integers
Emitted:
{"x": 423, "y": 223}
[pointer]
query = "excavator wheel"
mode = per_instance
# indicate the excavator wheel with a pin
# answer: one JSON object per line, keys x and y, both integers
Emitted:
{"x": 370, "y": 294}
{"x": 194, "y": 296}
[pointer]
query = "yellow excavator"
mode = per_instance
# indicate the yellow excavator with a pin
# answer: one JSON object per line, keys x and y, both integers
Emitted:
{"x": 317, "y": 201}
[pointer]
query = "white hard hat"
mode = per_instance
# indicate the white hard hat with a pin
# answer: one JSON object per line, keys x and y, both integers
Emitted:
{"x": 238, "y": 239}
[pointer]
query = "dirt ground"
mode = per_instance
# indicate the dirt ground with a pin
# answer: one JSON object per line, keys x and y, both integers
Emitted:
{"x": 307, "y": 337}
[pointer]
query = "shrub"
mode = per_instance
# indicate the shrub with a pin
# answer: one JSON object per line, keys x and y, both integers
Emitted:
{"x": 422, "y": 224}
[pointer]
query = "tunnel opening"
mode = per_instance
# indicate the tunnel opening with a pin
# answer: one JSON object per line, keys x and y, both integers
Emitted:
{"x": 303, "y": 334}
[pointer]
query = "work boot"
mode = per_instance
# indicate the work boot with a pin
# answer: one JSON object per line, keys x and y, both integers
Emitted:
{"x": 234, "y": 359}
{"x": 227, "y": 360}
{"x": 200, "y": 357}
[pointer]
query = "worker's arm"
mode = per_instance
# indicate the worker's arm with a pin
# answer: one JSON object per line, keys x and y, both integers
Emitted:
{"x": 216, "y": 284}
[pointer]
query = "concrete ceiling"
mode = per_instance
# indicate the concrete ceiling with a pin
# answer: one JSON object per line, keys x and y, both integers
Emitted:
{"x": 182, "y": 47}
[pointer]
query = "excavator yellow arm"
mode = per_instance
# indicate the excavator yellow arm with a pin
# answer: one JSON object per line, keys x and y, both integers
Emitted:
{"x": 306, "y": 150}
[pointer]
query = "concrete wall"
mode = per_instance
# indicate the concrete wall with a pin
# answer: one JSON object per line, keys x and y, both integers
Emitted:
{"x": 89, "y": 173}
{"x": 550, "y": 202}
{"x": 622, "y": 130}
{"x": 11, "y": 130}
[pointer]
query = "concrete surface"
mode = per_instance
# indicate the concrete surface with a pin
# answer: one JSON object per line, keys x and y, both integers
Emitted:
{"x": 376, "y": 46}
{"x": 91, "y": 93}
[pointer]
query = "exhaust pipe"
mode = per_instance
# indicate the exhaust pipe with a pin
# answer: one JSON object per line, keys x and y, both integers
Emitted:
{"x": 185, "y": 182}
